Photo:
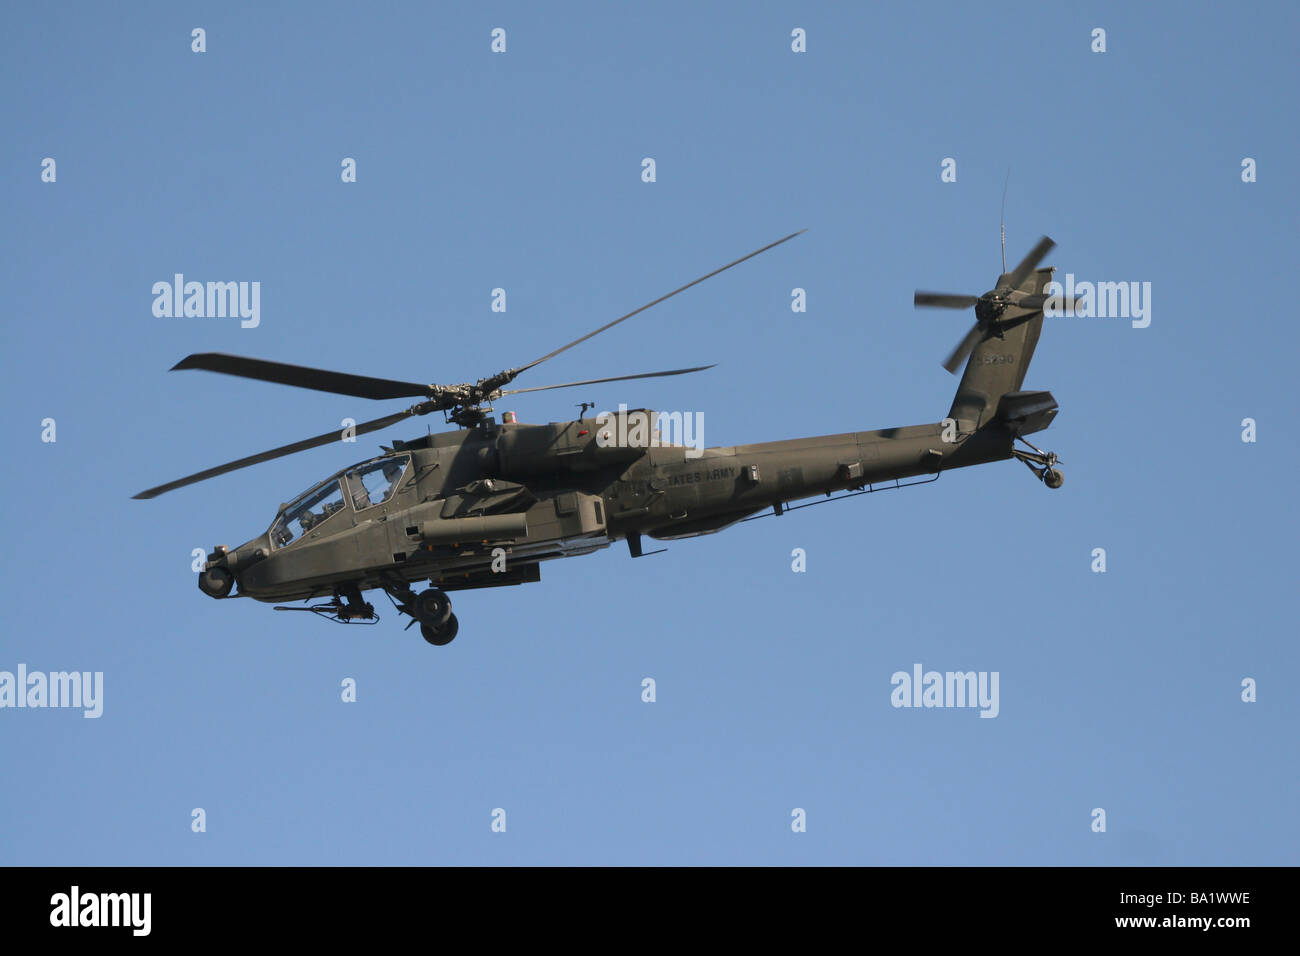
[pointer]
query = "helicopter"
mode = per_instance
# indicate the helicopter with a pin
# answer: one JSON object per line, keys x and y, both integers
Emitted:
{"x": 483, "y": 505}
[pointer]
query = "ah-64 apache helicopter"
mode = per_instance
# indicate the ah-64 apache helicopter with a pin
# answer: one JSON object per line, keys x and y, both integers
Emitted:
{"x": 484, "y": 505}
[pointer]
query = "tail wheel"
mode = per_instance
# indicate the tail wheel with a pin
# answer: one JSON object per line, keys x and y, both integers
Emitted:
{"x": 1041, "y": 463}
{"x": 440, "y": 636}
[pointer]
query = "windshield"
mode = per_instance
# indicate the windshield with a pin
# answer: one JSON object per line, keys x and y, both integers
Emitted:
{"x": 307, "y": 512}
{"x": 368, "y": 484}
{"x": 374, "y": 482}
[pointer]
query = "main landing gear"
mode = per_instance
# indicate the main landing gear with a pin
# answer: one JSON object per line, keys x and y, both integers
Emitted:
{"x": 430, "y": 609}
{"x": 1047, "y": 461}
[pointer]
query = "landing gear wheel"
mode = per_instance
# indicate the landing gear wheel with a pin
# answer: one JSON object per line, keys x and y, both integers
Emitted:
{"x": 432, "y": 607}
{"x": 440, "y": 636}
{"x": 1041, "y": 463}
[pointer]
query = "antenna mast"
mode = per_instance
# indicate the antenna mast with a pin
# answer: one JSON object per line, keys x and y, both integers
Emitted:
{"x": 1006, "y": 183}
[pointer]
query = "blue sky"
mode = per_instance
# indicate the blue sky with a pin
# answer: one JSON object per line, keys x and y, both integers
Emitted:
{"x": 522, "y": 170}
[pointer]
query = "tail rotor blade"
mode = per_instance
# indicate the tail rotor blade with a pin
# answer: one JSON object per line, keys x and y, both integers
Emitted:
{"x": 1042, "y": 299}
{"x": 942, "y": 300}
{"x": 1030, "y": 262}
{"x": 964, "y": 348}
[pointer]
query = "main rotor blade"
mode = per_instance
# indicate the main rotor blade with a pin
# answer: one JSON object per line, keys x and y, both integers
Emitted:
{"x": 942, "y": 300}
{"x": 616, "y": 378}
{"x": 325, "y": 439}
{"x": 622, "y": 318}
{"x": 964, "y": 348}
{"x": 300, "y": 376}
{"x": 1030, "y": 262}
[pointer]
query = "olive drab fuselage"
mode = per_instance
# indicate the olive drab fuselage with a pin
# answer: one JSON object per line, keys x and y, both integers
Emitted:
{"x": 574, "y": 496}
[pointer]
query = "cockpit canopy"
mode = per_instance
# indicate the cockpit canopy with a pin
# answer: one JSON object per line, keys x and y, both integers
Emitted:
{"x": 364, "y": 486}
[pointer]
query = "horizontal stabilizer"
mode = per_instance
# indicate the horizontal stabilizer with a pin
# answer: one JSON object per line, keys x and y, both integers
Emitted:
{"x": 1027, "y": 412}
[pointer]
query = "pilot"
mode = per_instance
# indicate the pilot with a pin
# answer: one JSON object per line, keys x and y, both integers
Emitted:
{"x": 360, "y": 497}
{"x": 392, "y": 472}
